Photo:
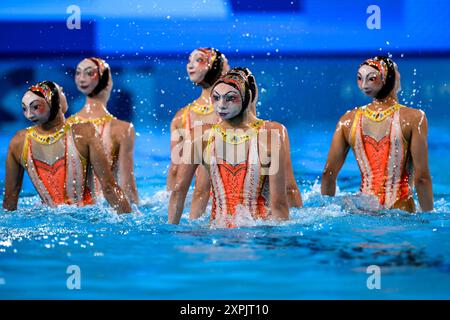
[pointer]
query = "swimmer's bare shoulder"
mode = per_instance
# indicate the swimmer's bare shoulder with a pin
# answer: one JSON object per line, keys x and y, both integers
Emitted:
{"x": 268, "y": 125}
{"x": 83, "y": 134}
{"x": 177, "y": 121}
{"x": 121, "y": 130}
{"x": 265, "y": 140}
{"x": 82, "y": 130}
{"x": 345, "y": 123}
{"x": 16, "y": 144}
{"x": 273, "y": 125}
{"x": 411, "y": 118}
{"x": 120, "y": 125}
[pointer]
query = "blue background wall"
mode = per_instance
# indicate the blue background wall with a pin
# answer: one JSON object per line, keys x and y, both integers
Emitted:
{"x": 304, "y": 53}
{"x": 135, "y": 27}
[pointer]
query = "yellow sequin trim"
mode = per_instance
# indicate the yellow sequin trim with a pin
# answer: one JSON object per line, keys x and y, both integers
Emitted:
{"x": 201, "y": 109}
{"x": 48, "y": 138}
{"x": 96, "y": 121}
{"x": 379, "y": 115}
{"x": 238, "y": 138}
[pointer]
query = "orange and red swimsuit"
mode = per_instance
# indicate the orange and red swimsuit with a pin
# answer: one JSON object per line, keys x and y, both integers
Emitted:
{"x": 385, "y": 165}
{"x": 234, "y": 186}
{"x": 59, "y": 173}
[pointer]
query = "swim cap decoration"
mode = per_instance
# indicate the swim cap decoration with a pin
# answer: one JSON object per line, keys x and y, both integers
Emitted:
{"x": 49, "y": 91}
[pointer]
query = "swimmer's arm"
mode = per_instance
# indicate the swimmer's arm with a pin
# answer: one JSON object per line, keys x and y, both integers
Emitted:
{"x": 14, "y": 178}
{"x": 200, "y": 197}
{"x": 176, "y": 204}
{"x": 277, "y": 185}
{"x": 419, "y": 154}
{"x": 186, "y": 171}
{"x": 176, "y": 139}
{"x": 126, "y": 166}
{"x": 336, "y": 158}
{"x": 294, "y": 196}
{"x": 111, "y": 190}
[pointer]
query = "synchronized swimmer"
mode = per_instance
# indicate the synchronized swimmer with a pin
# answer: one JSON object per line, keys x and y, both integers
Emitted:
{"x": 239, "y": 160}
{"x": 58, "y": 156}
{"x": 93, "y": 79}
{"x": 204, "y": 67}
{"x": 238, "y": 155}
{"x": 389, "y": 141}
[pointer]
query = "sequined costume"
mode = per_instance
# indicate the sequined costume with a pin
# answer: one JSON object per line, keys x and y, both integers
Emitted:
{"x": 203, "y": 111}
{"x": 384, "y": 162}
{"x": 56, "y": 169}
{"x": 237, "y": 185}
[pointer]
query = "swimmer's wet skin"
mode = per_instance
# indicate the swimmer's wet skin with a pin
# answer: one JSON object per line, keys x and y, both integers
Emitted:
{"x": 204, "y": 67}
{"x": 94, "y": 80}
{"x": 55, "y": 154}
{"x": 244, "y": 184}
{"x": 389, "y": 142}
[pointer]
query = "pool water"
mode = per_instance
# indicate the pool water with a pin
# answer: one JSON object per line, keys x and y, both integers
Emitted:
{"x": 323, "y": 252}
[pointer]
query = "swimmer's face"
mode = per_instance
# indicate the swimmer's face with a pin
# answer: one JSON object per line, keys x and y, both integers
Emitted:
{"x": 35, "y": 108}
{"x": 369, "y": 80}
{"x": 227, "y": 101}
{"x": 86, "y": 76}
{"x": 197, "y": 66}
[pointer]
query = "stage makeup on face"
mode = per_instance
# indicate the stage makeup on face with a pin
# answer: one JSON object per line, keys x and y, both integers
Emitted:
{"x": 35, "y": 108}
{"x": 87, "y": 76}
{"x": 227, "y": 101}
{"x": 369, "y": 80}
{"x": 197, "y": 66}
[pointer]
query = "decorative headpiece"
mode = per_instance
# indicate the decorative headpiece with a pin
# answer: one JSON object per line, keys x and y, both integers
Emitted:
{"x": 50, "y": 92}
{"x": 43, "y": 90}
